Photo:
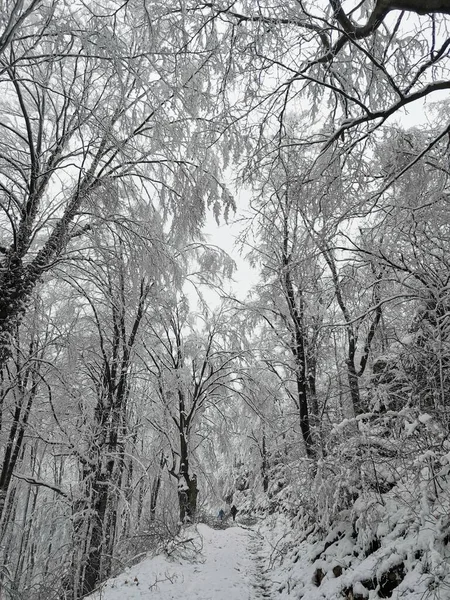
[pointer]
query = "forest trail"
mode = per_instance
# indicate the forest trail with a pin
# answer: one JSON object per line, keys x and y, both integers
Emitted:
{"x": 208, "y": 564}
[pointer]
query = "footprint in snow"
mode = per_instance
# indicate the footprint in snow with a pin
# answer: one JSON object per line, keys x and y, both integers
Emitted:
{"x": 261, "y": 585}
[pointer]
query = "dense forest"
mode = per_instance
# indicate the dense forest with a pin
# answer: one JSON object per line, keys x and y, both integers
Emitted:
{"x": 140, "y": 389}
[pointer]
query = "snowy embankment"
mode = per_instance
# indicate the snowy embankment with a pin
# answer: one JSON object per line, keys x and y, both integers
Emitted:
{"x": 204, "y": 564}
{"x": 396, "y": 545}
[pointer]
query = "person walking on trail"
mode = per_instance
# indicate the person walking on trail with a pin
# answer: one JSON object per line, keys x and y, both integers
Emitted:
{"x": 221, "y": 514}
{"x": 233, "y": 512}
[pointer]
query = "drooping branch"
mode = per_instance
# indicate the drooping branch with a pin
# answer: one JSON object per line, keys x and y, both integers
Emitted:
{"x": 40, "y": 483}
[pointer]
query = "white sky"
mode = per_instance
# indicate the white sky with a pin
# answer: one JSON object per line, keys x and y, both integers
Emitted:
{"x": 225, "y": 236}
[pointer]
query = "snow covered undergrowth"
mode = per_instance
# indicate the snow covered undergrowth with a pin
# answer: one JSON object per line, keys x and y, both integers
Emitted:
{"x": 395, "y": 545}
{"x": 372, "y": 520}
{"x": 202, "y": 564}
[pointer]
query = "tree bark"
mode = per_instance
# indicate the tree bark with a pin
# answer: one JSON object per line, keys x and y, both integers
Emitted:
{"x": 264, "y": 464}
{"x": 297, "y": 347}
{"x": 156, "y": 486}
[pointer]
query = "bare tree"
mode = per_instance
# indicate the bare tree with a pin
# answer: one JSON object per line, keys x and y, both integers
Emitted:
{"x": 17, "y": 17}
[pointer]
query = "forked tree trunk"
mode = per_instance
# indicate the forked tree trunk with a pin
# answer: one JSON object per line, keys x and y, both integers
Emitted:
{"x": 298, "y": 344}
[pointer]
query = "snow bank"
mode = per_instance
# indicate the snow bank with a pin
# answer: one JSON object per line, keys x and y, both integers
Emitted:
{"x": 392, "y": 546}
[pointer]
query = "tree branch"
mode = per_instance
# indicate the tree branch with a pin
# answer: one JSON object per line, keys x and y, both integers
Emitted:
{"x": 38, "y": 482}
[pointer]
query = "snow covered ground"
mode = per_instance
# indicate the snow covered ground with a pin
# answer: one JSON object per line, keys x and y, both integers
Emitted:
{"x": 387, "y": 549}
{"x": 206, "y": 564}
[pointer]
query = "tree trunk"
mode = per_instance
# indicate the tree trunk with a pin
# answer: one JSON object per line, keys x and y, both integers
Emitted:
{"x": 264, "y": 464}
{"x": 156, "y": 486}
{"x": 312, "y": 372}
{"x": 298, "y": 346}
{"x": 187, "y": 485}
{"x": 92, "y": 570}
{"x": 298, "y": 351}
{"x": 16, "y": 288}
{"x": 352, "y": 376}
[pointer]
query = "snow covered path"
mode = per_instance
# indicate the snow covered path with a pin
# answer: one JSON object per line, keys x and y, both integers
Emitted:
{"x": 209, "y": 565}
{"x": 261, "y": 583}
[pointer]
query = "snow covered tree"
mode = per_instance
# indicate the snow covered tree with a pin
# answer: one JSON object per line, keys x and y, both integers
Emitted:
{"x": 91, "y": 107}
{"x": 410, "y": 244}
{"x": 286, "y": 297}
{"x": 347, "y": 60}
{"x": 109, "y": 372}
{"x": 194, "y": 370}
